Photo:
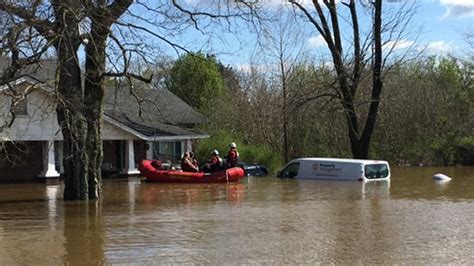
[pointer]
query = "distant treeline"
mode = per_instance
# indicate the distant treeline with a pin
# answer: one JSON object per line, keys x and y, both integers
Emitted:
{"x": 426, "y": 115}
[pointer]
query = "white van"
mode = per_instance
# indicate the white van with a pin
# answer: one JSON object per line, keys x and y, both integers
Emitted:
{"x": 336, "y": 169}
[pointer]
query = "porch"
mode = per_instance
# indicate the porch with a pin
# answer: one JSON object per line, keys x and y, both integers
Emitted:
{"x": 43, "y": 160}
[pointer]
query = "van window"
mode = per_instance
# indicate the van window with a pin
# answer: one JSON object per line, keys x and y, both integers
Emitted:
{"x": 291, "y": 170}
{"x": 374, "y": 171}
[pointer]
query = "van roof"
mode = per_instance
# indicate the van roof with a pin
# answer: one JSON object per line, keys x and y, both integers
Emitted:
{"x": 342, "y": 160}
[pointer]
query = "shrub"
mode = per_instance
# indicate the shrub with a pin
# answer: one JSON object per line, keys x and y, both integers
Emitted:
{"x": 248, "y": 153}
{"x": 466, "y": 150}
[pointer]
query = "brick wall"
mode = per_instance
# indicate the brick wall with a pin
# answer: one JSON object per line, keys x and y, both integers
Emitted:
{"x": 23, "y": 162}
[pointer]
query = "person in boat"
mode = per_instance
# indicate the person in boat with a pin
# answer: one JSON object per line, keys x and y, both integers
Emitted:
{"x": 167, "y": 165}
{"x": 194, "y": 161}
{"x": 232, "y": 156}
{"x": 187, "y": 164}
{"x": 156, "y": 163}
{"x": 215, "y": 163}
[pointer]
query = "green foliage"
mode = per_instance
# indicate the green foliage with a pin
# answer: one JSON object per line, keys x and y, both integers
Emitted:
{"x": 248, "y": 153}
{"x": 426, "y": 116}
{"x": 466, "y": 150}
{"x": 444, "y": 149}
{"x": 196, "y": 79}
{"x": 467, "y": 142}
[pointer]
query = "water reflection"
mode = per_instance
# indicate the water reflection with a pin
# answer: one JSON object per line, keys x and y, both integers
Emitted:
{"x": 83, "y": 233}
{"x": 376, "y": 189}
{"x": 52, "y": 195}
{"x": 416, "y": 183}
{"x": 154, "y": 194}
{"x": 409, "y": 220}
{"x": 350, "y": 190}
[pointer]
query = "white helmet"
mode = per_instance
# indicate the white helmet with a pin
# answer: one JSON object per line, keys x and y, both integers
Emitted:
{"x": 215, "y": 152}
{"x": 232, "y": 145}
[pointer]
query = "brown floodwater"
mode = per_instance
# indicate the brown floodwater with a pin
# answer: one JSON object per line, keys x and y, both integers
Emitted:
{"x": 410, "y": 220}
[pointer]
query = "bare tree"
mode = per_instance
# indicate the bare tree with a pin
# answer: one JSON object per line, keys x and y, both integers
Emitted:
{"x": 349, "y": 64}
{"x": 112, "y": 31}
{"x": 282, "y": 46}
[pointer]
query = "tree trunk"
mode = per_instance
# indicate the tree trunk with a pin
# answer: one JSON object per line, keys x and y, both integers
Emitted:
{"x": 94, "y": 98}
{"x": 70, "y": 101}
{"x": 102, "y": 19}
{"x": 73, "y": 124}
{"x": 377, "y": 83}
{"x": 360, "y": 145}
{"x": 348, "y": 83}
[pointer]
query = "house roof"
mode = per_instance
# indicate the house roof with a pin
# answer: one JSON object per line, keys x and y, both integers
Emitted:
{"x": 149, "y": 113}
{"x": 152, "y": 112}
{"x": 43, "y": 71}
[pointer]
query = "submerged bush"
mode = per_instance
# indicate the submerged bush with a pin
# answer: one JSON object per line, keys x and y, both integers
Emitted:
{"x": 249, "y": 153}
{"x": 466, "y": 150}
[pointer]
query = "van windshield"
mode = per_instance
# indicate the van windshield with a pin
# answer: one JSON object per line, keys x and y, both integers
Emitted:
{"x": 291, "y": 170}
{"x": 374, "y": 171}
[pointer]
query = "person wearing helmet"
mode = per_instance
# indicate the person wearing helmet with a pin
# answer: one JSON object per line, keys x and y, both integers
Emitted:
{"x": 232, "y": 156}
{"x": 216, "y": 162}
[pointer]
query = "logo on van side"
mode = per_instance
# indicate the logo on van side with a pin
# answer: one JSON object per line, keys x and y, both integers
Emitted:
{"x": 326, "y": 169}
{"x": 316, "y": 166}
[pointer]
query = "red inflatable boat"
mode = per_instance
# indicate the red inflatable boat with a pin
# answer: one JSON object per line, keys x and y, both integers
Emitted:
{"x": 172, "y": 176}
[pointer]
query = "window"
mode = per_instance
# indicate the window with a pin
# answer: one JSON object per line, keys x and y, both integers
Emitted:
{"x": 170, "y": 150}
{"x": 373, "y": 171}
{"x": 291, "y": 170}
{"x": 21, "y": 107}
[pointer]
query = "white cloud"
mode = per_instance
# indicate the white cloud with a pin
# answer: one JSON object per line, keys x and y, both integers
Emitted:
{"x": 439, "y": 48}
{"x": 316, "y": 41}
{"x": 271, "y": 4}
{"x": 458, "y": 8}
{"x": 242, "y": 67}
{"x": 399, "y": 44}
{"x": 248, "y": 68}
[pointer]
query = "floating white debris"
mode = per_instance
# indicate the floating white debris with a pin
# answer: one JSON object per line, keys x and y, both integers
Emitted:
{"x": 441, "y": 177}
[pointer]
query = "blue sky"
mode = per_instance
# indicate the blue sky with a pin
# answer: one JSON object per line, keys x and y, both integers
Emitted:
{"x": 443, "y": 23}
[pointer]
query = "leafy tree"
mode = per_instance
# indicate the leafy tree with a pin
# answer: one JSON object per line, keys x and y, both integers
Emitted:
{"x": 196, "y": 79}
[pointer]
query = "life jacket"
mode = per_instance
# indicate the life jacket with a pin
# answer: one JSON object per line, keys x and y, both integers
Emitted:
{"x": 216, "y": 163}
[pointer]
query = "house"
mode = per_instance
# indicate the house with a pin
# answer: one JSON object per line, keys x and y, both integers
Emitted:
{"x": 161, "y": 126}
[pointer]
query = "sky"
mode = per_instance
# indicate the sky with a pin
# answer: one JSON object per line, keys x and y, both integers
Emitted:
{"x": 445, "y": 22}
{"x": 443, "y": 25}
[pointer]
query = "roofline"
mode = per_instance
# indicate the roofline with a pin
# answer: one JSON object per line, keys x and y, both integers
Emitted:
{"x": 181, "y": 137}
{"x": 340, "y": 160}
{"x": 30, "y": 79}
{"x": 47, "y": 88}
{"x": 153, "y": 138}
{"x": 124, "y": 127}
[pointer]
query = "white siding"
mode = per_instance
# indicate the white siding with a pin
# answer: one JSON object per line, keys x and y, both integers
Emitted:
{"x": 112, "y": 132}
{"x": 40, "y": 123}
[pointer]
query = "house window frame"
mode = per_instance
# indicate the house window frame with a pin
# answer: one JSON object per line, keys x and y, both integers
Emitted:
{"x": 21, "y": 108}
{"x": 177, "y": 147}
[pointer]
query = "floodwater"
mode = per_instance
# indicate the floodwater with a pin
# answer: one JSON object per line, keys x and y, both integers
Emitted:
{"x": 410, "y": 220}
